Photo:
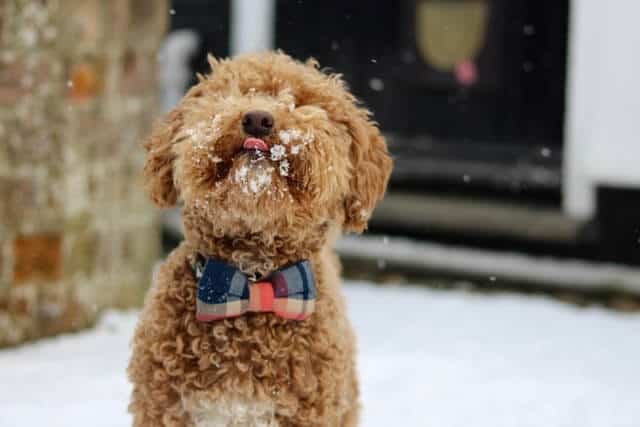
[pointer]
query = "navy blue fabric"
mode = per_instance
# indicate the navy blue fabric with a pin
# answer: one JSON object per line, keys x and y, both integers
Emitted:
{"x": 304, "y": 268}
{"x": 214, "y": 287}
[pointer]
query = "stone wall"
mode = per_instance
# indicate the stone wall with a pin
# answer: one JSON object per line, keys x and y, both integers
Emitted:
{"x": 77, "y": 95}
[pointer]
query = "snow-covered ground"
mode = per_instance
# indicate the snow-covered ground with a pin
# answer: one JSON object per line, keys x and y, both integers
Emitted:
{"x": 427, "y": 358}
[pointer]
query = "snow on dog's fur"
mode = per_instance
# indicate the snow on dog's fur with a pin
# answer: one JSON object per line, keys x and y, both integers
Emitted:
{"x": 326, "y": 169}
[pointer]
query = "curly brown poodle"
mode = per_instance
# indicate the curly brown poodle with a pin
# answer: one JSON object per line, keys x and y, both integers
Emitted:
{"x": 272, "y": 159}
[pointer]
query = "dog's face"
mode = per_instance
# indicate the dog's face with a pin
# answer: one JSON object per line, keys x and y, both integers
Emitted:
{"x": 266, "y": 142}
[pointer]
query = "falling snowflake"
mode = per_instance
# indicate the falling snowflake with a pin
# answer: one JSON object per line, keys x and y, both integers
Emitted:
{"x": 376, "y": 84}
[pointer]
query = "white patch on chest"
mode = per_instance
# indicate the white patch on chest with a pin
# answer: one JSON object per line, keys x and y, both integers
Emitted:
{"x": 232, "y": 412}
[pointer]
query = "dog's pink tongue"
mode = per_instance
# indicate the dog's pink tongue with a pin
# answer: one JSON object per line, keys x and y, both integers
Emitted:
{"x": 255, "y": 144}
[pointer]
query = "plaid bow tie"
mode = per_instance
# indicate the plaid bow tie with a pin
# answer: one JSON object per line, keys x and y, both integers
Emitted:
{"x": 224, "y": 291}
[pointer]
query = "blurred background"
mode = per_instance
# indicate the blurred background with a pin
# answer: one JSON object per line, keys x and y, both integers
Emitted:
{"x": 513, "y": 125}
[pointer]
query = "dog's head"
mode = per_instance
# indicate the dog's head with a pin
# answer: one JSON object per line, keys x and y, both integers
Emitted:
{"x": 265, "y": 141}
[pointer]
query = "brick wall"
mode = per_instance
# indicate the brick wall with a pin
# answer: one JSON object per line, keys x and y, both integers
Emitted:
{"x": 77, "y": 95}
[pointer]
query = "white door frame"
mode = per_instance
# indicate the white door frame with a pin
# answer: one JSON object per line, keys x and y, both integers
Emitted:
{"x": 252, "y": 26}
{"x": 602, "y": 125}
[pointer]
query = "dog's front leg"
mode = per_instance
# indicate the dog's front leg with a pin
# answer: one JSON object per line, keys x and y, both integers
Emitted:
{"x": 154, "y": 403}
{"x": 156, "y": 369}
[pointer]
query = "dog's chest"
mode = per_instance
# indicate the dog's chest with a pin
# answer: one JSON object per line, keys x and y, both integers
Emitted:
{"x": 258, "y": 349}
{"x": 245, "y": 358}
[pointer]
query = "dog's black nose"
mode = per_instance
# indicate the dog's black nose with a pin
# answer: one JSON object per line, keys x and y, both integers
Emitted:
{"x": 257, "y": 123}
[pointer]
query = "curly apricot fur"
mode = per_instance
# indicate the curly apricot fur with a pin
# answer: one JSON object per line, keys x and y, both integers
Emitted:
{"x": 303, "y": 372}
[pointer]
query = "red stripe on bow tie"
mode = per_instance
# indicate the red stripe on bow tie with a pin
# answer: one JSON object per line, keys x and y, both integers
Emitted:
{"x": 261, "y": 296}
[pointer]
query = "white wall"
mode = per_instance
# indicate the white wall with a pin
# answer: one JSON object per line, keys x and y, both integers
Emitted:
{"x": 603, "y": 95}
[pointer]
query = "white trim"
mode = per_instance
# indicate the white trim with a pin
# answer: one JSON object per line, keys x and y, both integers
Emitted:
{"x": 579, "y": 198}
{"x": 252, "y": 26}
{"x": 603, "y": 102}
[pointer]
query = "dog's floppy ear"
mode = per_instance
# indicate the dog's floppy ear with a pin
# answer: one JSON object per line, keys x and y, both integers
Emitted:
{"x": 370, "y": 170}
{"x": 158, "y": 169}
